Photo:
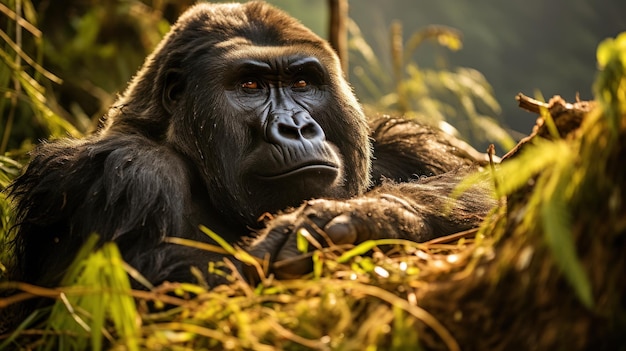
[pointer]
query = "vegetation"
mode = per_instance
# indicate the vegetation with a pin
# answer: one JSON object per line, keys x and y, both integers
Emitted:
{"x": 544, "y": 272}
{"x": 518, "y": 46}
{"x": 443, "y": 97}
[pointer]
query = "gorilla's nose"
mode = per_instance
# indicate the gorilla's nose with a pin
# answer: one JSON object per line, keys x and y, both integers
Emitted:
{"x": 286, "y": 127}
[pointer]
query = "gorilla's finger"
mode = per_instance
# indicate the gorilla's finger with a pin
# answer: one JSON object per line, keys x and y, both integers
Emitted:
{"x": 341, "y": 230}
{"x": 293, "y": 267}
{"x": 269, "y": 243}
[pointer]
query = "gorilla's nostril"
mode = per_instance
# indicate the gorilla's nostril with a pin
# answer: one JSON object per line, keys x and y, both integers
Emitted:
{"x": 289, "y": 132}
{"x": 311, "y": 131}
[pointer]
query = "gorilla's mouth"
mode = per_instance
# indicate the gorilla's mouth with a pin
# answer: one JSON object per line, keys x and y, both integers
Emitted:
{"x": 323, "y": 169}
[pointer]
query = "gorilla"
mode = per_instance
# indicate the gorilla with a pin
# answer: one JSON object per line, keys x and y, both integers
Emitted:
{"x": 240, "y": 112}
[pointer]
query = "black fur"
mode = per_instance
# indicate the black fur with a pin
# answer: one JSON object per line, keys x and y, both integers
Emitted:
{"x": 173, "y": 153}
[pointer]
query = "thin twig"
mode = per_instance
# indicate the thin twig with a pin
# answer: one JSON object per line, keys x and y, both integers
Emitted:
{"x": 453, "y": 237}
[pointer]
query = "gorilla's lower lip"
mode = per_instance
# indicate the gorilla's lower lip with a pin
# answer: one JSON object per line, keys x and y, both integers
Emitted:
{"x": 308, "y": 168}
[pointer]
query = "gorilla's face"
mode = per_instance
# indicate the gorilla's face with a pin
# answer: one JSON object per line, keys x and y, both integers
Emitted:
{"x": 277, "y": 100}
{"x": 262, "y": 110}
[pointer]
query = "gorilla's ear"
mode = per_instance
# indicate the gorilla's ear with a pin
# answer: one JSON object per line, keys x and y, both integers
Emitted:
{"x": 174, "y": 88}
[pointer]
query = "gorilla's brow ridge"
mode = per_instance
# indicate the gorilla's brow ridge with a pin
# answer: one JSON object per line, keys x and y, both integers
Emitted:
{"x": 288, "y": 65}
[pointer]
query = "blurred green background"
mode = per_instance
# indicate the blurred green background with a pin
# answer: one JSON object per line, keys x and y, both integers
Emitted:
{"x": 520, "y": 46}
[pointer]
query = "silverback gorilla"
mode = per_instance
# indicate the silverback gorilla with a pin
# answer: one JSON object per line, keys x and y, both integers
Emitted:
{"x": 240, "y": 111}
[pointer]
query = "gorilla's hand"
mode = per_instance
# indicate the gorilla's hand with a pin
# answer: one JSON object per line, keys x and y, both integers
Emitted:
{"x": 333, "y": 222}
{"x": 417, "y": 211}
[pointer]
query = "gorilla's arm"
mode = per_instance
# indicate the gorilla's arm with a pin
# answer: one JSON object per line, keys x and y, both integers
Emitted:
{"x": 127, "y": 189}
{"x": 401, "y": 207}
{"x": 405, "y": 150}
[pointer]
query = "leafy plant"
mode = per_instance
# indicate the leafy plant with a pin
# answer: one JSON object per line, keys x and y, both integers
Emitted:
{"x": 460, "y": 97}
{"x": 20, "y": 76}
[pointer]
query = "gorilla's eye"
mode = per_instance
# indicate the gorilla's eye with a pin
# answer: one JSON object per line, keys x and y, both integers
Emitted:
{"x": 300, "y": 83}
{"x": 250, "y": 84}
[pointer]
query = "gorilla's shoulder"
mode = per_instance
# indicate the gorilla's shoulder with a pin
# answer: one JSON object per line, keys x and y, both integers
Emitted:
{"x": 90, "y": 157}
{"x": 94, "y": 175}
